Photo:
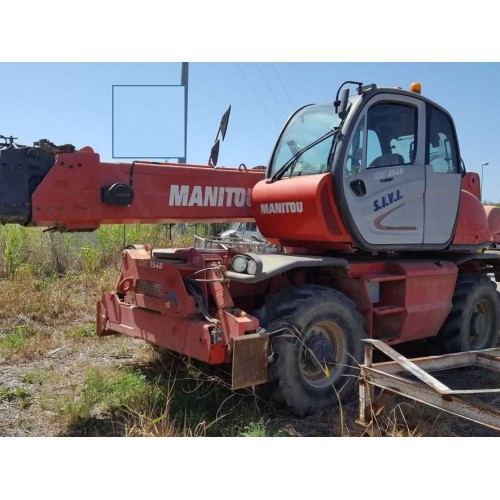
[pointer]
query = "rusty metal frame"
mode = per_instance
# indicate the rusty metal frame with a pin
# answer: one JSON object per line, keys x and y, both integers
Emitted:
{"x": 391, "y": 377}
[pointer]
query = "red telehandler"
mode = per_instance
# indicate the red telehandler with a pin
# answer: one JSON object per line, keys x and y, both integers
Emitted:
{"x": 382, "y": 234}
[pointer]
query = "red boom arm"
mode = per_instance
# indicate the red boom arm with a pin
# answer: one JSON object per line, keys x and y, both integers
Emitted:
{"x": 78, "y": 192}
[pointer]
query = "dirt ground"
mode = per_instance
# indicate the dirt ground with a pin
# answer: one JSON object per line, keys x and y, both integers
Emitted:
{"x": 67, "y": 365}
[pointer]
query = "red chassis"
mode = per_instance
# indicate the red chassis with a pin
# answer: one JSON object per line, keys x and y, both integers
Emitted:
{"x": 186, "y": 300}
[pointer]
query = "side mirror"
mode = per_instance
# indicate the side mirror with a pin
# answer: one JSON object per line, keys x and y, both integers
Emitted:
{"x": 341, "y": 104}
{"x": 344, "y": 99}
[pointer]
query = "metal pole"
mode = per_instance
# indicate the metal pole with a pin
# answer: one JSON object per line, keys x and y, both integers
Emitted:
{"x": 481, "y": 186}
{"x": 366, "y": 394}
{"x": 185, "y": 84}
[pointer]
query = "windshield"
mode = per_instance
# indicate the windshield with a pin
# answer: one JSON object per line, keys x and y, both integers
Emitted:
{"x": 307, "y": 125}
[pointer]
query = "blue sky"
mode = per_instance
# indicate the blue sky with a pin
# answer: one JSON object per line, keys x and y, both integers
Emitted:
{"x": 72, "y": 102}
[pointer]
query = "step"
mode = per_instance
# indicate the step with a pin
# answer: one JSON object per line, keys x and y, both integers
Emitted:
{"x": 383, "y": 310}
{"x": 384, "y": 277}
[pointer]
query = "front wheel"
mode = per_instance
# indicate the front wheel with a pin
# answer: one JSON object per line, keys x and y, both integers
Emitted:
{"x": 318, "y": 353}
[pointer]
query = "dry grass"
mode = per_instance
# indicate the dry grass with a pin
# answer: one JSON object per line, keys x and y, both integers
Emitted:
{"x": 40, "y": 315}
{"x": 52, "y": 301}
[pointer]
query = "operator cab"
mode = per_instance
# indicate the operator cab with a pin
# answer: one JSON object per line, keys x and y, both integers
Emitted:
{"x": 395, "y": 163}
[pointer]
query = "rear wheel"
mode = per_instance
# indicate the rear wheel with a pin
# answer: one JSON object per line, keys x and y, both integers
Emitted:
{"x": 473, "y": 321}
{"x": 319, "y": 350}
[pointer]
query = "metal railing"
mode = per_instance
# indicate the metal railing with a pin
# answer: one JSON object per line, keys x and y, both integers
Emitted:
{"x": 411, "y": 379}
{"x": 241, "y": 245}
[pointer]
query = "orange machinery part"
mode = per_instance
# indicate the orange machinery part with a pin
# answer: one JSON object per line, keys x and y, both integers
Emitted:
{"x": 69, "y": 197}
{"x": 476, "y": 223}
{"x": 300, "y": 212}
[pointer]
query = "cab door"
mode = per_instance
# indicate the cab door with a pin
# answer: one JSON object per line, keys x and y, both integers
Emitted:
{"x": 384, "y": 172}
{"x": 443, "y": 178}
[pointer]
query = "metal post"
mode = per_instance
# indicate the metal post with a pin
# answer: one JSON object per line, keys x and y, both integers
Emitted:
{"x": 185, "y": 84}
{"x": 366, "y": 393}
{"x": 481, "y": 186}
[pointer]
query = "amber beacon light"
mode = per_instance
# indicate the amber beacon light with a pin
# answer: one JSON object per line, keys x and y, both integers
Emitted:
{"x": 416, "y": 87}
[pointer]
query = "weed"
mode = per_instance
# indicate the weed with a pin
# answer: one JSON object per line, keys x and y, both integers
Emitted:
{"x": 151, "y": 421}
{"x": 255, "y": 429}
{"x": 35, "y": 377}
{"x": 109, "y": 390}
{"x": 14, "y": 240}
{"x": 42, "y": 284}
{"x": 90, "y": 259}
{"x": 79, "y": 332}
{"x": 15, "y": 339}
{"x": 19, "y": 394}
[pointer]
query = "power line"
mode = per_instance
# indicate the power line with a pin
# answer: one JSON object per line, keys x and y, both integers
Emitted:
{"x": 283, "y": 85}
{"x": 257, "y": 95}
{"x": 270, "y": 88}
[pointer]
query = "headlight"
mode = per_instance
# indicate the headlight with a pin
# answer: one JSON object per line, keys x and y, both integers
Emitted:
{"x": 239, "y": 264}
{"x": 251, "y": 267}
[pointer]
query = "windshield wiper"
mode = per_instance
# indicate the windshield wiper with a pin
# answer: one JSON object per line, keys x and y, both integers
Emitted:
{"x": 293, "y": 160}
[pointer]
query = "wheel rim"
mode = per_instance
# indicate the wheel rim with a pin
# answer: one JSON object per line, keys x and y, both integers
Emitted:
{"x": 323, "y": 355}
{"x": 480, "y": 324}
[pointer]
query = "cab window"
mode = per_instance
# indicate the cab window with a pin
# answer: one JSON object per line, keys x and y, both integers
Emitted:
{"x": 392, "y": 135}
{"x": 441, "y": 151}
{"x": 355, "y": 155}
{"x": 374, "y": 150}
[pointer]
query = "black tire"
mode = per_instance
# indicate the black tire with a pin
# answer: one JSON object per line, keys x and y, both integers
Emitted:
{"x": 473, "y": 321}
{"x": 318, "y": 355}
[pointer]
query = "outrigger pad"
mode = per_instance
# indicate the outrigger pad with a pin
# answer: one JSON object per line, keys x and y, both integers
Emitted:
{"x": 250, "y": 353}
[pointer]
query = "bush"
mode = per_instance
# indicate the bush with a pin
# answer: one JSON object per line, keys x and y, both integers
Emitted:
{"x": 38, "y": 253}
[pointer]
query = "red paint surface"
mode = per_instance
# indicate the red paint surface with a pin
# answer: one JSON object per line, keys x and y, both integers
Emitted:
{"x": 493, "y": 215}
{"x": 472, "y": 226}
{"x": 318, "y": 223}
{"x": 470, "y": 183}
{"x": 70, "y": 194}
{"x": 170, "y": 317}
{"x": 415, "y": 297}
